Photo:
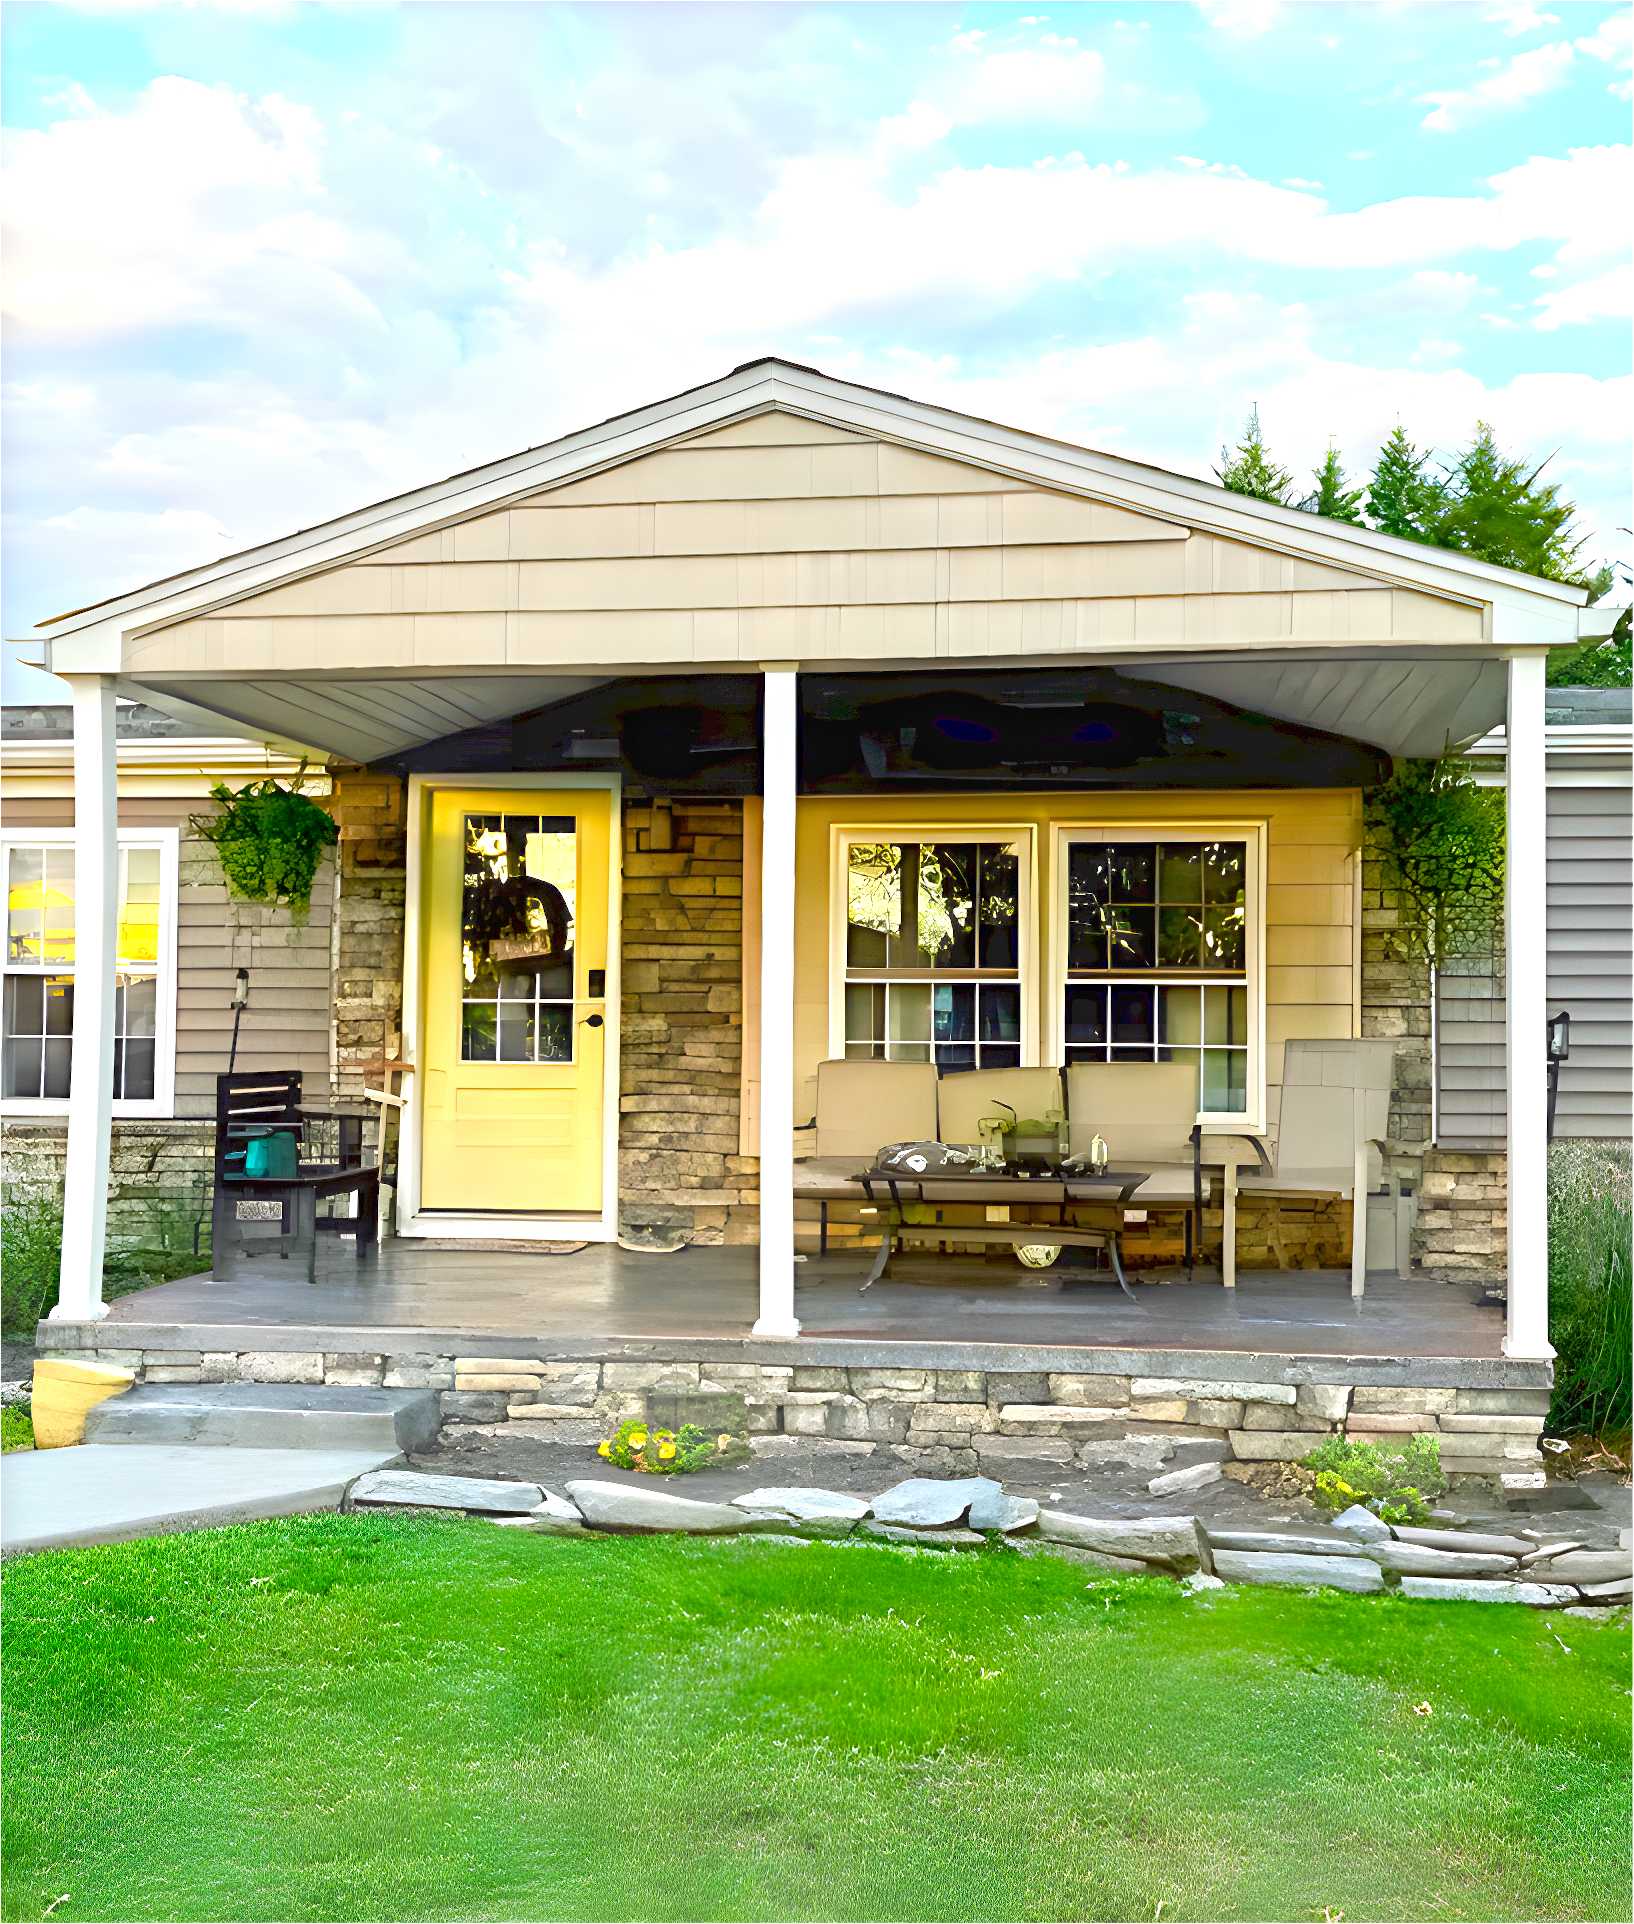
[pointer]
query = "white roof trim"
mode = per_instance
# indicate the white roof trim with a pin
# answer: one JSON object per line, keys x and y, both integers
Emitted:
{"x": 87, "y": 640}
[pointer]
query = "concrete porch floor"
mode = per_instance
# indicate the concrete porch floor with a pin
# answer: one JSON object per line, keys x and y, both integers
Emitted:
{"x": 604, "y": 1294}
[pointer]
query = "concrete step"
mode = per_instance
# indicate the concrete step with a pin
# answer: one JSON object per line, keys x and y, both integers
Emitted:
{"x": 54, "y": 1499}
{"x": 267, "y": 1416}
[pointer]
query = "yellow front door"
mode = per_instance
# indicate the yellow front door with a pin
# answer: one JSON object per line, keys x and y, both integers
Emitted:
{"x": 515, "y": 965}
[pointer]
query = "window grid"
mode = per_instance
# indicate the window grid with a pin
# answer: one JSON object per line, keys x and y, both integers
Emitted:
{"x": 517, "y": 933}
{"x": 37, "y": 1018}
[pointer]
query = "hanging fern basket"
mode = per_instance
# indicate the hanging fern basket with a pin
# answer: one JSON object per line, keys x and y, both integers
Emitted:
{"x": 269, "y": 839}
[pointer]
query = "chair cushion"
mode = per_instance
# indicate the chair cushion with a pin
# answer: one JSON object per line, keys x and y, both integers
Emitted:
{"x": 963, "y": 1099}
{"x": 863, "y": 1105}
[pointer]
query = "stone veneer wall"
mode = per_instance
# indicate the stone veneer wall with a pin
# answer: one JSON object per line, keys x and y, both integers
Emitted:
{"x": 681, "y": 1177}
{"x": 1462, "y": 1196}
{"x": 371, "y": 812}
{"x": 948, "y": 1422}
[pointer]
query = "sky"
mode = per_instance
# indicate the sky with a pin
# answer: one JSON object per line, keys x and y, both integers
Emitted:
{"x": 269, "y": 262}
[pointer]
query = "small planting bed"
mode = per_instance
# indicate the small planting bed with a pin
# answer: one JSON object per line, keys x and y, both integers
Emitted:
{"x": 390, "y": 1716}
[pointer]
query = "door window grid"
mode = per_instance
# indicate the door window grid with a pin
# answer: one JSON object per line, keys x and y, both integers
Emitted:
{"x": 932, "y": 940}
{"x": 36, "y": 1030}
{"x": 1157, "y": 960}
{"x": 520, "y": 890}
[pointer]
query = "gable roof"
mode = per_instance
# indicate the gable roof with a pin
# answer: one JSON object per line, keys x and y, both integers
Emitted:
{"x": 80, "y": 639}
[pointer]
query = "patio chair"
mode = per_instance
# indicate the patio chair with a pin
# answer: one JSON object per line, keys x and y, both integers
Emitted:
{"x": 1330, "y": 1130}
{"x": 861, "y": 1106}
{"x": 261, "y": 1129}
{"x": 1146, "y": 1114}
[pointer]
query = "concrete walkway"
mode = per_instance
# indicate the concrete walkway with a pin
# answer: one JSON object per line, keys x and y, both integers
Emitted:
{"x": 107, "y": 1493}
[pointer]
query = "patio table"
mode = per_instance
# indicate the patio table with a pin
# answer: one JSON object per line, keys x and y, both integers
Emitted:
{"x": 1056, "y": 1187}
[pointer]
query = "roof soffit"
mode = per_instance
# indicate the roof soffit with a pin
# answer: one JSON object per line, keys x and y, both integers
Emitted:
{"x": 86, "y": 640}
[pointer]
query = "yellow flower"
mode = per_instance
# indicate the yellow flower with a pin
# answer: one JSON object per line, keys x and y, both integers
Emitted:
{"x": 666, "y": 1450}
{"x": 606, "y": 1449}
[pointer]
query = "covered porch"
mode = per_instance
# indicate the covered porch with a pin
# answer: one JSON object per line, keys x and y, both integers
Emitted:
{"x": 767, "y": 591}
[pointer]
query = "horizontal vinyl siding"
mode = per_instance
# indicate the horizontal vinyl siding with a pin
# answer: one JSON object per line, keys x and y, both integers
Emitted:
{"x": 1589, "y": 955}
{"x": 1474, "y": 1105}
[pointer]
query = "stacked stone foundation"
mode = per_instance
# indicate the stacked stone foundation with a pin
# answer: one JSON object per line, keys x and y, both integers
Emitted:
{"x": 1486, "y": 1416}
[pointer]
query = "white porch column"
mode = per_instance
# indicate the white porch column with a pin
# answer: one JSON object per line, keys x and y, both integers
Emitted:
{"x": 778, "y": 783}
{"x": 1526, "y": 970}
{"x": 96, "y": 943}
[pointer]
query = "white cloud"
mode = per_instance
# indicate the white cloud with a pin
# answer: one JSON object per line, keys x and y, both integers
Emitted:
{"x": 1521, "y": 18}
{"x": 1052, "y": 81}
{"x": 1612, "y": 41}
{"x": 1610, "y": 297}
{"x": 1239, "y": 17}
{"x": 1523, "y": 78}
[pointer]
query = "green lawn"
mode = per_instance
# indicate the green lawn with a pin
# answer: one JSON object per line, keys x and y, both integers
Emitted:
{"x": 373, "y": 1717}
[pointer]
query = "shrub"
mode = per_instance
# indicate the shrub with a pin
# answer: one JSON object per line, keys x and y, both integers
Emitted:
{"x": 1591, "y": 1323}
{"x": 1395, "y": 1485}
{"x": 16, "y": 1430}
{"x": 30, "y": 1254}
{"x": 638, "y": 1446}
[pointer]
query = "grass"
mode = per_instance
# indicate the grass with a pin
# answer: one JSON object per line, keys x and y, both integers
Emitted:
{"x": 1591, "y": 1301}
{"x": 394, "y": 1717}
{"x": 16, "y": 1429}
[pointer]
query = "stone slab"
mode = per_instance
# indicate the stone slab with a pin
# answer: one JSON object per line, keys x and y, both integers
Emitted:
{"x": 996, "y": 1511}
{"x": 1231, "y": 1389}
{"x": 107, "y": 1493}
{"x": 1456, "y": 1425}
{"x": 803, "y": 1503}
{"x": 1621, "y": 1589}
{"x": 1136, "y": 1452}
{"x": 1475, "y": 1590}
{"x": 1464, "y": 1540}
{"x": 924, "y": 1502}
{"x": 486, "y": 1496}
{"x": 1269, "y": 1446}
{"x": 953, "y": 1537}
{"x": 1171, "y": 1541}
{"x": 617, "y": 1506}
{"x": 1194, "y": 1477}
{"x": 267, "y": 1416}
{"x": 1360, "y": 1522}
{"x": 1359, "y": 1573}
{"x": 1292, "y": 1543}
{"x": 1088, "y": 1559}
{"x": 1423, "y": 1560}
{"x": 554, "y": 1516}
{"x": 1585, "y": 1566}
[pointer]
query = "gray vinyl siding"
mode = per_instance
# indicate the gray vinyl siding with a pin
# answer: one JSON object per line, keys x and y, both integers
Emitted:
{"x": 1590, "y": 946}
{"x": 1589, "y": 955}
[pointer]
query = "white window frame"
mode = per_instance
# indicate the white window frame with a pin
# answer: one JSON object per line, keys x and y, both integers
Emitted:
{"x": 1064, "y": 835}
{"x": 162, "y": 1103}
{"x": 1024, "y": 837}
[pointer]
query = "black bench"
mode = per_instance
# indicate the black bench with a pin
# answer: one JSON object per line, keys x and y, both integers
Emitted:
{"x": 256, "y": 1107}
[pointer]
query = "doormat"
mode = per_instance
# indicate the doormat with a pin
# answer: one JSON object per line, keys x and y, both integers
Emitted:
{"x": 515, "y": 1246}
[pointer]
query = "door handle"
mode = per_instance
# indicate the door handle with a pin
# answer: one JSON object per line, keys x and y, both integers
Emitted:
{"x": 591, "y": 1022}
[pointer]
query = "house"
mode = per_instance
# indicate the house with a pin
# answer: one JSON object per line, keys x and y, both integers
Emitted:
{"x": 813, "y": 716}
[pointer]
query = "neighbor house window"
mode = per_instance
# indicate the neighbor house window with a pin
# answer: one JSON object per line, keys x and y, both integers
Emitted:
{"x": 933, "y": 952}
{"x": 37, "y": 1043}
{"x": 1157, "y": 958}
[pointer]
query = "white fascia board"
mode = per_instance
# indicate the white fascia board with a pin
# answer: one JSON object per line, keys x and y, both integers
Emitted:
{"x": 1567, "y": 738}
{"x": 87, "y": 641}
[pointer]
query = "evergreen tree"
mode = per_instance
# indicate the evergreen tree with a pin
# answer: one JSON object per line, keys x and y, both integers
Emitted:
{"x": 1332, "y": 497}
{"x": 1403, "y": 498}
{"x": 1249, "y": 470}
{"x": 1492, "y": 507}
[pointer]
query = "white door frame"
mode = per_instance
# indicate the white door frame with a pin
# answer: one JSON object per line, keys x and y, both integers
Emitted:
{"x": 585, "y": 1226}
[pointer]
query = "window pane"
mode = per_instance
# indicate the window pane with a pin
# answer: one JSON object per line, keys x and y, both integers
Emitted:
{"x": 554, "y": 1031}
{"x": 58, "y": 1066}
{"x": 1180, "y": 1015}
{"x": 1226, "y": 1015}
{"x": 997, "y": 1055}
{"x": 520, "y": 901}
{"x": 908, "y": 1020}
{"x": 873, "y": 903}
{"x": 138, "y": 905}
{"x": 1225, "y": 1079}
{"x": 947, "y": 905}
{"x": 1132, "y": 1020}
{"x": 59, "y": 1005}
{"x": 1129, "y": 871}
{"x": 516, "y": 1031}
{"x": 864, "y": 1013}
{"x": 133, "y": 1071}
{"x": 1000, "y": 907}
{"x": 1086, "y": 910}
{"x": 954, "y": 1008}
{"x": 1086, "y": 1016}
{"x": 1180, "y": 872}
{"x": 23, "y": 1057}
{"x": 954, "y": 1058}
{"x": 1224, "y": 946}
{"x": 58, "y": 905}
{"x": 136, "y": 1005}
{"x": 1132, "y": 944}
{"x": 40, "y": 905}
{"x": 25, "y": 1005}
{"x": 1000, "y": 1012}
{"x": 1180, "y": 938}
{"x": 477, "y": 1041}
{"x": 1225, "y": 871}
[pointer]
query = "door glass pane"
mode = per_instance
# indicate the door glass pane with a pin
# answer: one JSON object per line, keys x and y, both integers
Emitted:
{"x": 517, "y": 932}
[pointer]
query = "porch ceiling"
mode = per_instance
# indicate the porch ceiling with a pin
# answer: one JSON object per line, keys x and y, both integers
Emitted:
{"x": 1399, "y": 704}
{"x": 362, "y": 720}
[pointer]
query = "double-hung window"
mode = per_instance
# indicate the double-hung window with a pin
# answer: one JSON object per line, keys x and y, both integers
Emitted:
{"x": 1161, "y": 955}
{"x": 935, "y": 949}
{"x": 37, "y": 1034}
